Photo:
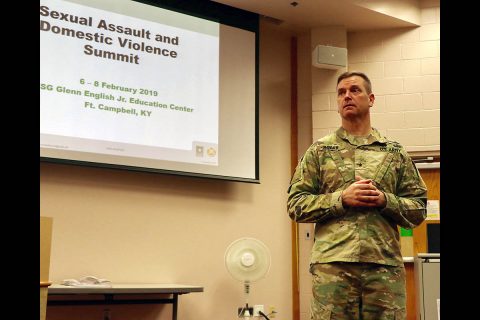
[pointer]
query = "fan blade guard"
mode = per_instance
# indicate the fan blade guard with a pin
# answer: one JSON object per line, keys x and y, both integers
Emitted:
{"x": 247, "y": 259}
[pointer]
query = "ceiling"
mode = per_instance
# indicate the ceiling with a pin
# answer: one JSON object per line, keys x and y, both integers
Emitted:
{"x": 299, "y": 16}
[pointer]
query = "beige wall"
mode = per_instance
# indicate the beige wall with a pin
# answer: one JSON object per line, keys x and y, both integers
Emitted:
{"x": 404, "y": 66}
{"x": 304, "y": 106}
{"x": 142, "y": 227}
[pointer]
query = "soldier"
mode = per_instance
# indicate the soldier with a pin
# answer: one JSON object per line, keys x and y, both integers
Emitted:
{"x": 357, "y": 187}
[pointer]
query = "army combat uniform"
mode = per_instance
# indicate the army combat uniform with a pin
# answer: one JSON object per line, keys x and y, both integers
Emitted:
{"x": 364, "y": 235}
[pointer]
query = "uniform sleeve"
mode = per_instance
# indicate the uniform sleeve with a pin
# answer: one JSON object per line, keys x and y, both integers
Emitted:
{"x": 305, "y": 203}
{"x": 408, "y": 206}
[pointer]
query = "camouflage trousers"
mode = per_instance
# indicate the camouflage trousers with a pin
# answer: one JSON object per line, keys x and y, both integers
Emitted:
{"x": 357, "y": 291}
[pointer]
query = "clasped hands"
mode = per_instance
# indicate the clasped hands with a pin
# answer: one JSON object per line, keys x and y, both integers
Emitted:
{"x": 363, "y": 193}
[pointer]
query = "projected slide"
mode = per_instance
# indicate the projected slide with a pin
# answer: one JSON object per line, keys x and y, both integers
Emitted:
{"x": 129, "y": 82}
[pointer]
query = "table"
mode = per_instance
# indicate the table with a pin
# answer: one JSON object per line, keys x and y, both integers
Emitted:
{"x": 120, "y": 290}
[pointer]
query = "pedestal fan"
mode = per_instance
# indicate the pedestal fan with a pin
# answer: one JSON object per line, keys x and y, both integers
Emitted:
{"x": 247, "y": 260}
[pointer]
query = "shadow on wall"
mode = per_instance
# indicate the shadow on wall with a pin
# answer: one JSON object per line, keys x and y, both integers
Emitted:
{"x": 144, "y": 182}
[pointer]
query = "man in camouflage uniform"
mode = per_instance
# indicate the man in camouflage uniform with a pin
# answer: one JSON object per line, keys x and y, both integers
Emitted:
{"x": 357, "y": 187}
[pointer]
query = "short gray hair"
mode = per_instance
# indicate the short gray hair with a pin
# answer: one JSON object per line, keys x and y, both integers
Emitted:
{"x": 348, "y": 74}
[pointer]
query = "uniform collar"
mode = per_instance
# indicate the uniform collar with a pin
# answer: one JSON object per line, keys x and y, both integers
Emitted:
{"x": 374, "y": 136}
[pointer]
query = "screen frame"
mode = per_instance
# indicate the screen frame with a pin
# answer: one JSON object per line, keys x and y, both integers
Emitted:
{"x": 219, "y": 13}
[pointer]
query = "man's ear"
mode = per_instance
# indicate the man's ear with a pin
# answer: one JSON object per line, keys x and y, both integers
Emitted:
{"x": 371, "y": 98}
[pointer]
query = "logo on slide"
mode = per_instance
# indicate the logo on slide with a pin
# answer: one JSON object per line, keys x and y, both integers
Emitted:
{"x": 211, "y": 152}
{"x": 199, "y": 151}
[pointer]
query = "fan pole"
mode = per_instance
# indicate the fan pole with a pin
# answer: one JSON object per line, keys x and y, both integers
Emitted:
{"x": 246, "y": 285}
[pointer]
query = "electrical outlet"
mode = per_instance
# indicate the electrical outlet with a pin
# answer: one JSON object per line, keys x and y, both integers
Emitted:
{"x": 272, "y": 312}
{"x": 256, "y": 309}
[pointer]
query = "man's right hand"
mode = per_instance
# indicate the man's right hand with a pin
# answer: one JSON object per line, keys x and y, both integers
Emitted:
{"x": 361, "y": 193}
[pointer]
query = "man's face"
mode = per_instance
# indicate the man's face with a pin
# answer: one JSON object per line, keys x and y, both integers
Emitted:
{"x": 352, "y": 98}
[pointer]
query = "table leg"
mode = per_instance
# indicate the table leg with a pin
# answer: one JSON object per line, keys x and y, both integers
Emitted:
{"x": 175, "y": 305}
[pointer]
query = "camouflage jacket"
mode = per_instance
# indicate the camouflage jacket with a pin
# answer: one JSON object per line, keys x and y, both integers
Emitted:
{"x": 356, "y": 234}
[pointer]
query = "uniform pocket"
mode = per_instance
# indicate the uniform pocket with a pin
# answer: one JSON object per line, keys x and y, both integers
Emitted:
{"x": 321, "y": 314}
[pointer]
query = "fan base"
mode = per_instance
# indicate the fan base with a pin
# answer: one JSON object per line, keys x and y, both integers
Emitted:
{"x": 242, "y": 310}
